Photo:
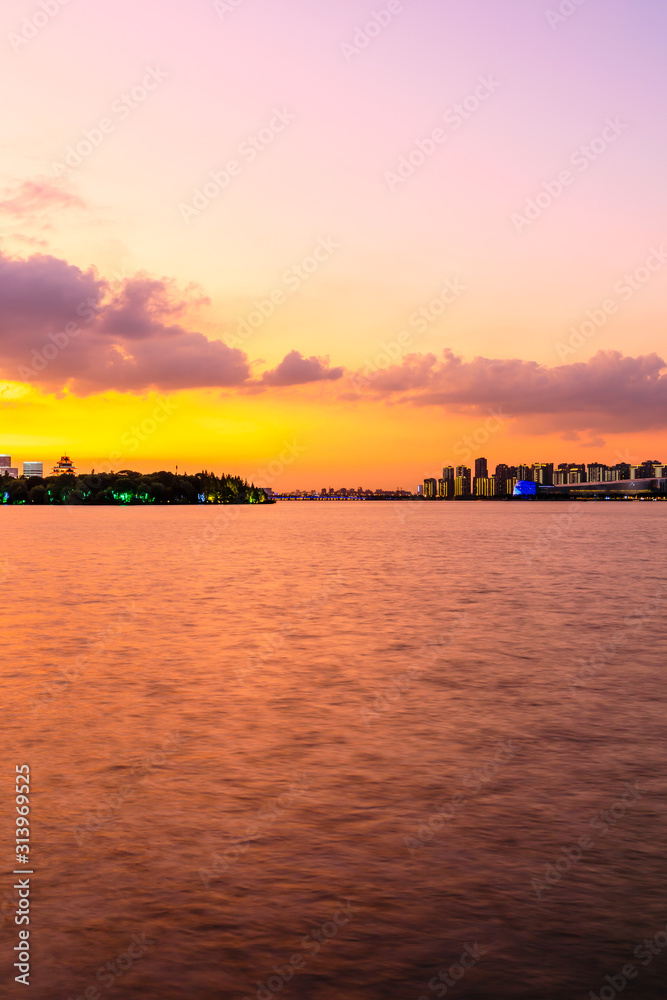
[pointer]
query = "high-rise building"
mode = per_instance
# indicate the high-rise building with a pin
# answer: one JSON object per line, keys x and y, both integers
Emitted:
{"x": 448, "y": 473}
{"x": 5, "y": 461}
{"x": 463, "y": 473}
{"x": 481, "y": 473}
{"x": 462, "y": 485}
{"x": 481, "y": 468}
{"x": 525, "y": 472}
{"x": 622, "y": 470}
{"x": 446, "y": 488}
{"x": 576, "y": 474}
{"x": 543, "y": 473}
{"x": 485, "y": 486}
{"x": 33, "y": 469}
{"x": 646, "y": 470}
{"x": 420, "y": 490}
{"x": 430, "y": 488}
{"x": 503, "y": 474}
{"x": 597, "y": 472}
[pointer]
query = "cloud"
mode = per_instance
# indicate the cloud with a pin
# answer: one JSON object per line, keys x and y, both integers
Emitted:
{"x": 294, "y": 369}
{"x": 125, "y": 340}
{"x": 27, "y": 202}
{"x": 64, "y": 328}
{"x": 38, "y": 296}
{"x": 609, "y": 392}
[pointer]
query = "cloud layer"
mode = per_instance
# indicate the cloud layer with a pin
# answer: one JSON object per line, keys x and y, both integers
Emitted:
{"x": 63, "y": 327}
{"x": 608, "y": 392}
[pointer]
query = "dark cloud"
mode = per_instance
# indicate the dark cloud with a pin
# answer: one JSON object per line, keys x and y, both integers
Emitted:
{"x": 294, "y": 369}
{"x": 608, "y": 392}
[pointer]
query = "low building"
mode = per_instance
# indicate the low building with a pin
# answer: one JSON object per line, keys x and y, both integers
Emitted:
{"x": 6, "y": 467}
{"x": 615, "y": 489}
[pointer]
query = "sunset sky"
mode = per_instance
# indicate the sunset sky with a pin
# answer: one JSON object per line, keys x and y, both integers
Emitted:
{"x": 448, "y": 190}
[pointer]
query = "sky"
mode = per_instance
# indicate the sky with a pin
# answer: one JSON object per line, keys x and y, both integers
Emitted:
{"x": 325, "y": 245}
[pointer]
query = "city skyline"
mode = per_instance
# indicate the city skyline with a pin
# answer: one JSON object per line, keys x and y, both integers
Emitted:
{"x": 429, "y": 249}
{"x": 456, "y": 481}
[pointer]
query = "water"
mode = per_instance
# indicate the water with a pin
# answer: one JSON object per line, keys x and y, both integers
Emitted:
{"x": 234, "y": 718}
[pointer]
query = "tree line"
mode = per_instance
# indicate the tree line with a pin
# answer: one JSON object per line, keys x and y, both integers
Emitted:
{"x": 130, "y": 488}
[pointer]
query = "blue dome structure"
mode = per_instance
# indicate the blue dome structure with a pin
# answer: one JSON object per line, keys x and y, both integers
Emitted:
{"x": 525, "y": 488}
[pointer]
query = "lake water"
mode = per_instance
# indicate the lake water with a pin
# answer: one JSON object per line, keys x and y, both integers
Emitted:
{"x": 326, "y": 750}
